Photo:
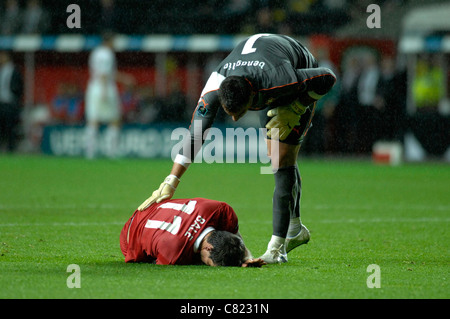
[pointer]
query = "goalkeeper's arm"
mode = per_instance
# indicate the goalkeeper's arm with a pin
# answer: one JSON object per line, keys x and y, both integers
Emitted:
{"x": 203, "y": 119}
{"x": 314, "y": 84}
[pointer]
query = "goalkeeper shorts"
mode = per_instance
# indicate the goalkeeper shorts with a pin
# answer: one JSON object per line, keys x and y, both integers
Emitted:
{"x": 299, "y": 131}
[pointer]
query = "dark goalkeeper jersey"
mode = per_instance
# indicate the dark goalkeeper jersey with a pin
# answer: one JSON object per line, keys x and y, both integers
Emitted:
{"x": 279, "y": 67}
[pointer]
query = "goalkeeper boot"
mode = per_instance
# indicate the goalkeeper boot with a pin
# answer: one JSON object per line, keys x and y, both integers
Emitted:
{"x": 276, "y": 251}
{"x": 302, "y": 238}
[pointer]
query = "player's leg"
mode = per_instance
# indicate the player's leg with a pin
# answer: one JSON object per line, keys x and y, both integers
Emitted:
{"x": 91, "y": 114}
{"x": 112, "y": 139}
{"x": 285, "y": 197}
{"x": 287, "y": 193}
{"x": 295, "y": 223}
{"x": 112, "y": 115}
{"x": 91, "y": 136}
{"x": 287, "y": 186}
{"x": 297, "y": 233}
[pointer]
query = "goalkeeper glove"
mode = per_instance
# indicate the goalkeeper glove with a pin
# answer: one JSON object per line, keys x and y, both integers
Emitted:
{"x": 284, "y": 119}
{"x": 165, "y": 191}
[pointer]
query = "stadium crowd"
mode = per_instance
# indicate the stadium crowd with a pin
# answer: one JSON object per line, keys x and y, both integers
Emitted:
{"x": 191, "y": 16}
{"x": 367, "y": 104}
{"x": 299, "y": 17}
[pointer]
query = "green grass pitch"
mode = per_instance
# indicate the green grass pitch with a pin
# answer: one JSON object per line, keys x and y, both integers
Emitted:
{"x": 55, "y": 212}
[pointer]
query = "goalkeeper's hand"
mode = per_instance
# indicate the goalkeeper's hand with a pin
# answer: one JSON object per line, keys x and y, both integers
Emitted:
{"x": 284, "y": 119}
{"x": 165, "y": 191}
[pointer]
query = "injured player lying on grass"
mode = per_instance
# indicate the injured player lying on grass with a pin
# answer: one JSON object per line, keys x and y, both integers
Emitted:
{"x": 186, "y": 232}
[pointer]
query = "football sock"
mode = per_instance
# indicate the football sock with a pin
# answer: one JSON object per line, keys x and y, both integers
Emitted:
{"x": 295, "y": 223}
{"x": 284, "y": 199}
{"x": 276, "y": 242}
{"x": 296, "y": 211}
{"x": 295, "y": 226}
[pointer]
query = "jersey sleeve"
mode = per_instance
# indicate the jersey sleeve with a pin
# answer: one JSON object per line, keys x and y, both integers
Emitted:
{"x": 319, "y": 80}
{"x": 228, "y": 220}
{"x": 203, "y": 117}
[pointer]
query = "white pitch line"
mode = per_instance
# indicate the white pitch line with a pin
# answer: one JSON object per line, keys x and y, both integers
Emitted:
{"x": 323, "y": 221}
{"x": 386, "y": 207}
{"x": 65, "y": 206}
{"x": 383, "y": 220}
{"x": 52, "y": 224}
{"x": 424, "y": 207}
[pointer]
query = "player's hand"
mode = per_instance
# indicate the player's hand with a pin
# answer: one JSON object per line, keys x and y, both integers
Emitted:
{"x": 254, "y": 262}
{"x": 165, "y": 191}
{"x": 284, "y": 119}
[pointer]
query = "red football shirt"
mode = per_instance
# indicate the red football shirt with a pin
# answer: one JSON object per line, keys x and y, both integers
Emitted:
{"x": 167, "y": 232}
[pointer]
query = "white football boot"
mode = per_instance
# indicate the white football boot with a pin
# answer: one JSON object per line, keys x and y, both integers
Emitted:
{"x": 302, "y": 238}
{"x": 276, "y": 251}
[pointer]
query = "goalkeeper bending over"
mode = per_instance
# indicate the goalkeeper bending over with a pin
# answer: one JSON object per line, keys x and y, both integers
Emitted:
{"x": 278, "y": 76}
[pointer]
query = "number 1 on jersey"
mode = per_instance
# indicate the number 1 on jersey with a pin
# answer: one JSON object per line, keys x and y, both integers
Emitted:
{"x": 172, "y": 228}
{"x": 248, "y": 47}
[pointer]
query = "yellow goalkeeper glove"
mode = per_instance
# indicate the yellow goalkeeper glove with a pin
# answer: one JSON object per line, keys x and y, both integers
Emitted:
{"x": 284, "y": 119}
{"x": 165, "y": 191}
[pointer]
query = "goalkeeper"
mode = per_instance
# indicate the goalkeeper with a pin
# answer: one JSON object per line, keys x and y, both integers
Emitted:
{"x": 278, "y": 76}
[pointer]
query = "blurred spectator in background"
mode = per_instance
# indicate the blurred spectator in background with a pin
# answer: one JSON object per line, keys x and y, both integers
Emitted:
{"x": 67, "y": 105}
{"x": 36, "y": 18}
{"x": 191, "y": 16}
{"x": 102, "y": 97}
{"x": 11, "y": 91}
{"x": 174, "y": 106}
{"x": 11, "y": 18}
{"x": 368, "y": 116}
{"x": 319, "y": 138}
{"x": 234, "y": 14}
{"x": 391, "y": 100}
{"x": 428, "y": 84}
{"x": 264, "y": 21}
{"x": 129, "y": 102}
{"x": 345, "y": 115}
{"x": 261, "y": 22}
{"x": 429, "y": 126}
{"x": 148, "y": 105}
{"x": 109, "y": 16}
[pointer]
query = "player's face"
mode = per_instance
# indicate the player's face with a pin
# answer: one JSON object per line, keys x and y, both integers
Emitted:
{"x": 204, "y": 255}
{"x": 205, "y": 249}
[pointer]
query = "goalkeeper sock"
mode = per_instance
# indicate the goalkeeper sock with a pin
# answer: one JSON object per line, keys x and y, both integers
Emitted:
{"x": 276, "y": 242}
{"x": 284, "y": 199}
{"x": 295, "y": 223}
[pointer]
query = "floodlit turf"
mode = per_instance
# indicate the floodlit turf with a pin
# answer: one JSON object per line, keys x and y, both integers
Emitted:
{"x": 55, "y": 212}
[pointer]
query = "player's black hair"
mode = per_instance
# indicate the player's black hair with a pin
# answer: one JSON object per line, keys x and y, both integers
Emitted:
{"x": 234, "y": 93}
{"x": 228, "y": 249}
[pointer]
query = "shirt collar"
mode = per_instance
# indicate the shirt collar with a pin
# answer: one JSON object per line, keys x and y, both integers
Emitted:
{"x": 200, "y": 238}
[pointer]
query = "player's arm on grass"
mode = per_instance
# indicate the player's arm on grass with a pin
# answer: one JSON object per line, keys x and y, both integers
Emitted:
{"x": 202, "y": 119}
